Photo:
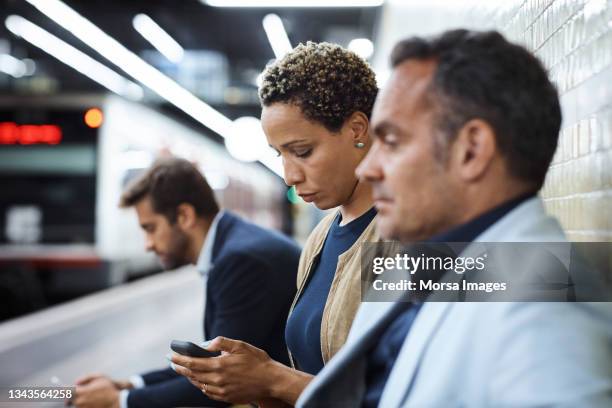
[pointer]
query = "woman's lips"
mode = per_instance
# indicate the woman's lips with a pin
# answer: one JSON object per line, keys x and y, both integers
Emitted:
{"x": 308, "y": 197}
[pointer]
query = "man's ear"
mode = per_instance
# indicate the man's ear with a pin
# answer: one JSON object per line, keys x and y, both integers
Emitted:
{"x": 357, "y": 124}
{"x": 474, "y": 150}
{"x": 185, "y": 216}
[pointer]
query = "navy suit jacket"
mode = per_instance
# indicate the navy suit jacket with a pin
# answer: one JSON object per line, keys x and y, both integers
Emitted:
{"x": 250, "y": 289}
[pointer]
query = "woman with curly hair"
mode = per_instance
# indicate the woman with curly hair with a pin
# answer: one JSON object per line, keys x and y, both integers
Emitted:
{"x": 316, "y": 104}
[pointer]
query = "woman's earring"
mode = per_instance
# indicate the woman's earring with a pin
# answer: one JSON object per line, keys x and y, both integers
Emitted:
{"x": 360, "y": 145}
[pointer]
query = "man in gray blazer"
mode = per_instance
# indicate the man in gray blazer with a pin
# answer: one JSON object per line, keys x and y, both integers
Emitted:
{"x": 465, "y": 130}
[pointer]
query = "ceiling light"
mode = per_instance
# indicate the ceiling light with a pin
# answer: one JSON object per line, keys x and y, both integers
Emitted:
{"x": 73, "y": 57}
{"x": 247, "y": 142}
{"x": 160, "y": 39}
{"x": 293, "y": 3}
{"x": 30, "y": 66}
{"x": 362, "y": 47}
{"x": 277, "y": 36}
{"x": 12, "y": 66}
{"x": 135, "y": 66}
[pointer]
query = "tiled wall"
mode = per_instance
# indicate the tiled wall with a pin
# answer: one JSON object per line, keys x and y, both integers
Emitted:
{"x": 574, "y": 40}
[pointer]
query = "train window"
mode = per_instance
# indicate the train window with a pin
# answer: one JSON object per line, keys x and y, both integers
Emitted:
{"x": 48, "y": 160}
{"x": 66, "y": 204}
{"x": 49, "y": 189}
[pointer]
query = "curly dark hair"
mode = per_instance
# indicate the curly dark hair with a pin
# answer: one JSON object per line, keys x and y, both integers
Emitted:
{"x": 327, "y": 82}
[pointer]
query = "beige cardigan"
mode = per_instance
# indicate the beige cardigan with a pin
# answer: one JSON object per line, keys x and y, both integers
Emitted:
{"x": 345, "y": 292}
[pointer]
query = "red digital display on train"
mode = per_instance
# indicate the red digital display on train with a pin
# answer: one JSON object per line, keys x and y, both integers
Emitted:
{"x": 12, "y": 133}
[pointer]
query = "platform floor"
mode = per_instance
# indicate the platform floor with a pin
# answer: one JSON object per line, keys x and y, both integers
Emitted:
{"x": 120, "y": 331}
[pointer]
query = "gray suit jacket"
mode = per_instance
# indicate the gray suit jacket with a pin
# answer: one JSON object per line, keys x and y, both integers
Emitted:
{"x": 510, "y": 354}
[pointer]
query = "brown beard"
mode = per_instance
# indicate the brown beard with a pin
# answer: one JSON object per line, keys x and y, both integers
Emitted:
{"x": 177, "y": 254}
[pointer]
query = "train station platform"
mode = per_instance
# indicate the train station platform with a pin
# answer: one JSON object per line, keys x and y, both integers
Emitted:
{"x": 120, "y": 331}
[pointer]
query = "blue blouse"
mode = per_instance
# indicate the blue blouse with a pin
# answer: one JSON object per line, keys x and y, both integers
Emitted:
{"x": 303, "y": 331}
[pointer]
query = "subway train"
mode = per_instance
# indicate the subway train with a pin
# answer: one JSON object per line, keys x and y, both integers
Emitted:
{"x": 63, "y": 164}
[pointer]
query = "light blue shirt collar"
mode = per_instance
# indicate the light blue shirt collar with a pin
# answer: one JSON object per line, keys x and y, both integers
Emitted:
{"x": 205, "y": 264}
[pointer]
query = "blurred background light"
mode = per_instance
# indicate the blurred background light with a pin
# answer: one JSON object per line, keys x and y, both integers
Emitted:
{"x": 12, "y": 66}
{"x": 135, "y": 159}
{"x": 217, "y": 179}
{"x": 158, "y": 37}
{"x": 246, "y": 141}
{"x": 73, "y": 57}
{"x": 135, "y": 66}
{"x": 93, "y": 118}
{"x": 362, "y": 47}
{"x": 382, "y": 76}
{"x": 277, "y": 36}
{"x": 30, "y": 66}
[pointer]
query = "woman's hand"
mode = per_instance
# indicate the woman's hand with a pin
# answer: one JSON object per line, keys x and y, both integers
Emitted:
{"x": 241, "y": 374}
